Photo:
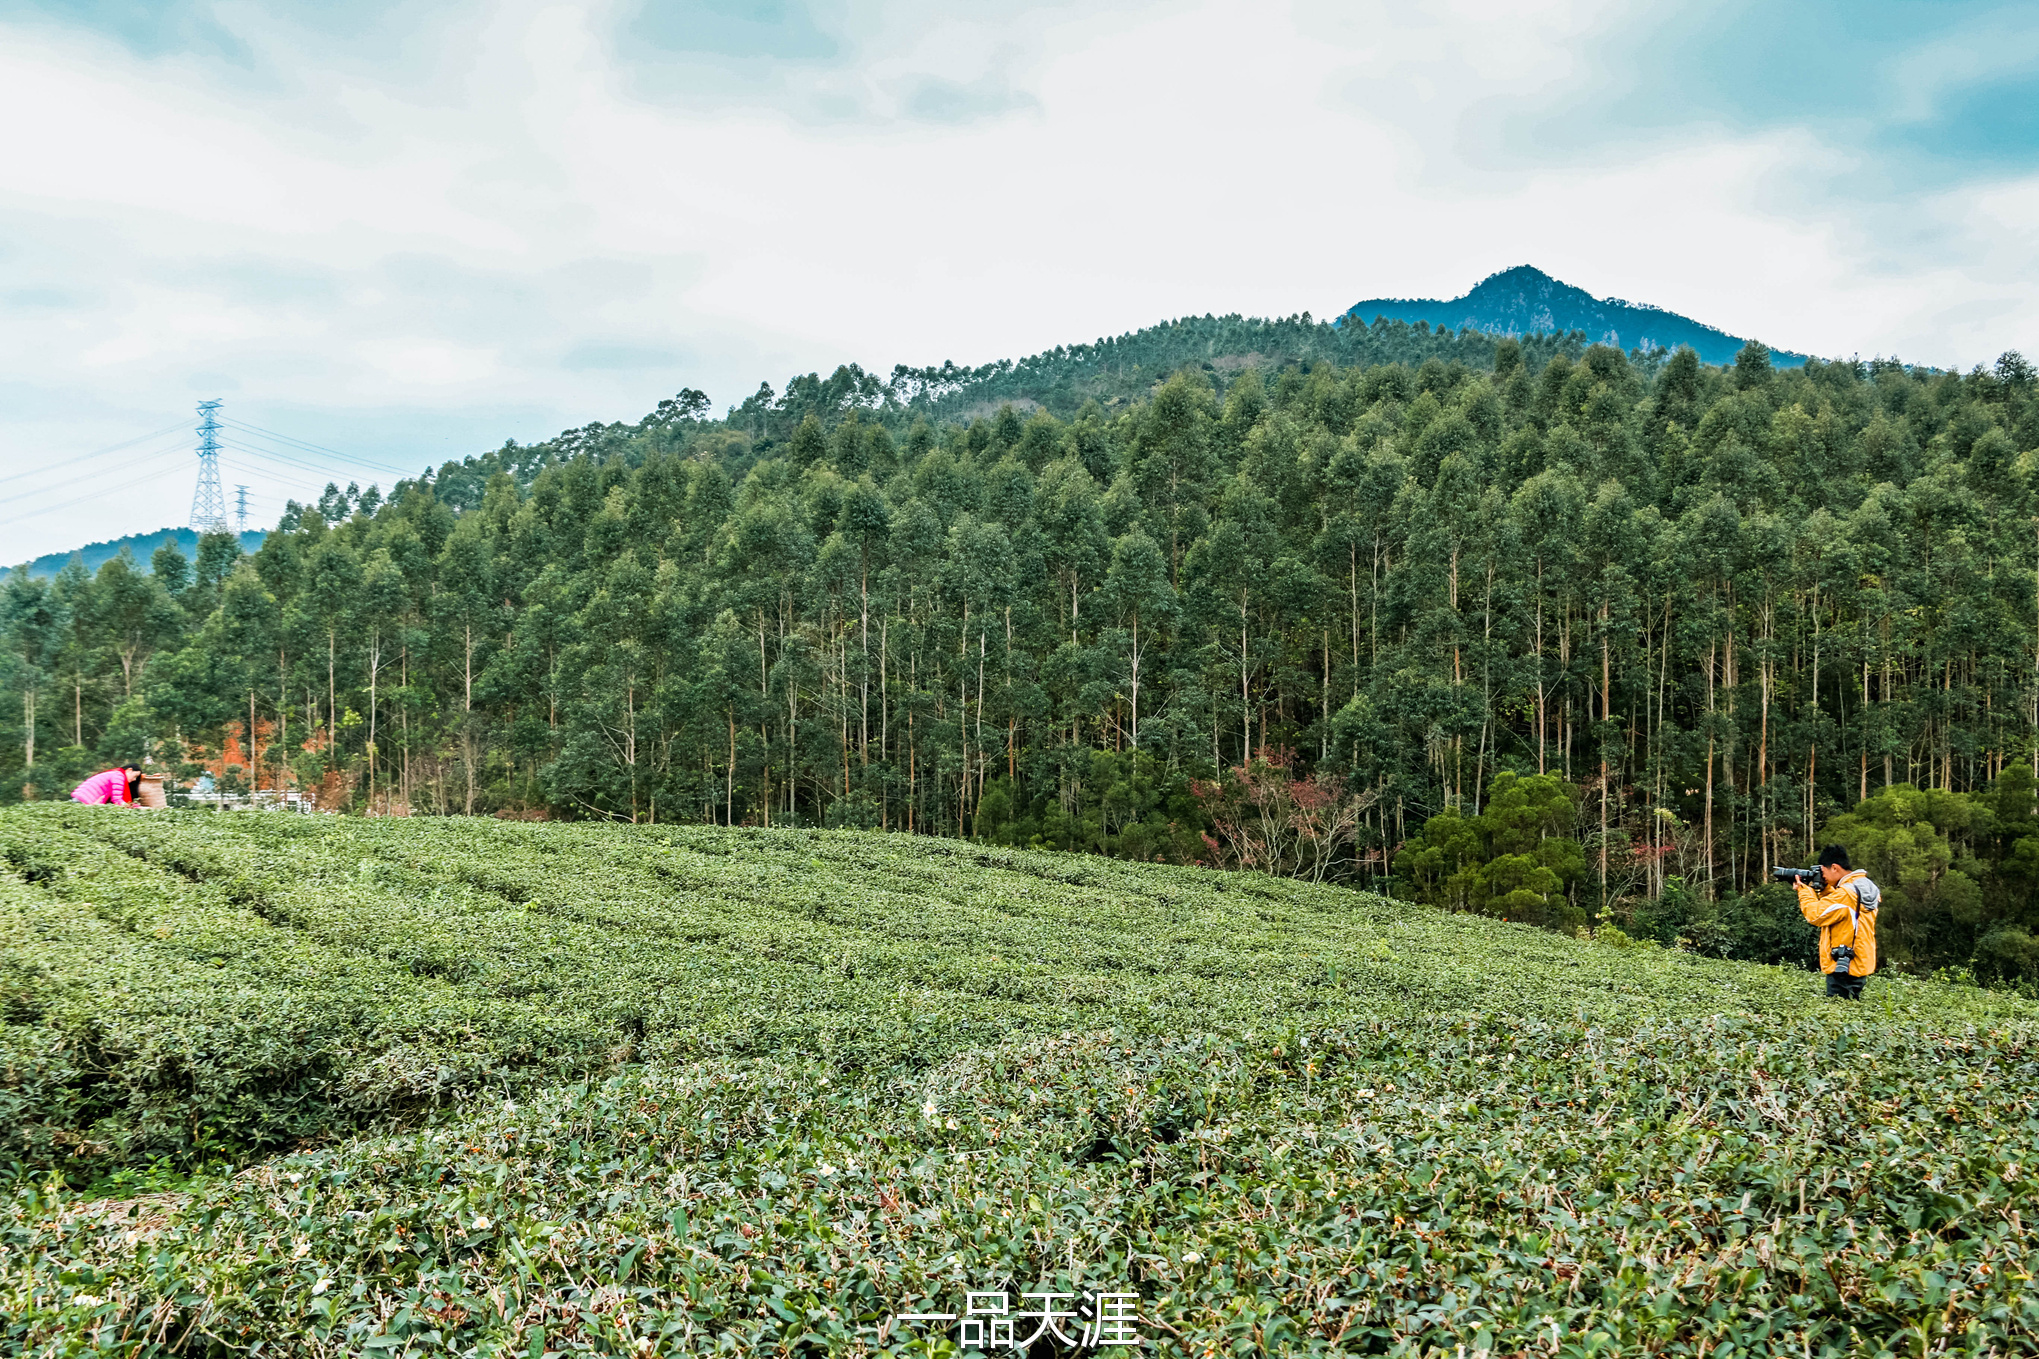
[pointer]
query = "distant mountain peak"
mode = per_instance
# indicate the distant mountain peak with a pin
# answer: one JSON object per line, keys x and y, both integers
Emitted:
{"x": 1525, "y": 300}
{"x": 1526, "y": 276}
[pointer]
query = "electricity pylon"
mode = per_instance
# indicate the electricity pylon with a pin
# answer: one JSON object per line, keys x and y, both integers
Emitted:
{"x": 241, "y": 508}
{"x": 208, "y": 501}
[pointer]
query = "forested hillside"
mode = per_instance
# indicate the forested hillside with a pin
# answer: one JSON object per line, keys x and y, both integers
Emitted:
{"x": 1543, "y": 633}
{"x": 1527, "y": 301}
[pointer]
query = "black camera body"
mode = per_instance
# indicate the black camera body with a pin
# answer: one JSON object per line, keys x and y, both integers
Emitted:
{"x": 1811, "y": 877}
{"x": 1843, "y": 956}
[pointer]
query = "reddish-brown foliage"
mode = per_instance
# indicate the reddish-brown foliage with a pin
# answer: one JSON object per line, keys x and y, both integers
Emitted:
{"x": 1264, "y": 817}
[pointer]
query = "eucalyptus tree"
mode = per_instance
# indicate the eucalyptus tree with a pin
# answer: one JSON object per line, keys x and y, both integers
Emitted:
{"x": 1718, "y": 607}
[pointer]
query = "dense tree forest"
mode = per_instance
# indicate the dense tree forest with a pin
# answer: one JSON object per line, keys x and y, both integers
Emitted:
{"x": 1546, "y": 631}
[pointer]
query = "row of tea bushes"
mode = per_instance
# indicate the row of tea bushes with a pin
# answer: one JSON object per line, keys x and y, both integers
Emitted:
{"x": 1509, "y": 1186}
{"x": 192, "y": 985}
{"x": 561, "y": 1088}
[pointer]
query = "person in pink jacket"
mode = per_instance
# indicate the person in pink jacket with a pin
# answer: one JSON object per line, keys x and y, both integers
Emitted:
{"x": 115, "y": 785}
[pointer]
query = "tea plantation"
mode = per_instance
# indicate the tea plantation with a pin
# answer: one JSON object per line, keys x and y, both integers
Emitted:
{"x": 463, "y": 1087}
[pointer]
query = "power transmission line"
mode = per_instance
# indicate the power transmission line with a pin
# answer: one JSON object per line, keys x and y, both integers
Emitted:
{"x": 208, "y": 501}
{"x": 212, "y": 441}
{"x": 310, "y": 447}
{"x": 287, "y": 459}
{"x": 99, "y": 453}
{"x": 100, "y": 492}
{"x": 280, "y": 459}
{"x": 177, "y": 449}
{"x": 180, "y": 449}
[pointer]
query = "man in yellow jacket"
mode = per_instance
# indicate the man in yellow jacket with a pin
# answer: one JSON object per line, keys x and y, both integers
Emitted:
{"x": 1845, "y": 913}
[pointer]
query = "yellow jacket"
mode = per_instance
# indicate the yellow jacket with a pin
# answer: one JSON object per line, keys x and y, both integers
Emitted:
{"x": 1846, "y": 915}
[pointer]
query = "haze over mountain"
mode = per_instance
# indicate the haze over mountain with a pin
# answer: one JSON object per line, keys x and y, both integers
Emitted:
{"x": 142, "y": 545}
{"x": 1527, "y": 301}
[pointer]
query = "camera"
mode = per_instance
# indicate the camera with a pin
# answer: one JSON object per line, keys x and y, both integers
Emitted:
{"x": 1811, "y": 877}
{"x": 1843, "y": 956}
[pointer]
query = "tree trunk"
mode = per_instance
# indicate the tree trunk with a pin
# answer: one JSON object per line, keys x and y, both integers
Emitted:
{"x": 1542, "y": 693}
{"x": 374, "y": 670}
{"x": 1707, "y": 832}
{"x": 1354, "y": 578}
{"x": 467, "y": 715}
{"x": 1136, "y": 681}
{"x": 884, "y": 719}
{"x": 864, "y": 672}
{"x": 1324, "y": 702}
{"x": 1606, "y": 716}
{"x": 1245, "y": 699}
{"x": 282, "y": 741}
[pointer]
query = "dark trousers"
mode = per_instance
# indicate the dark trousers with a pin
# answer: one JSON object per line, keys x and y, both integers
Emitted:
{"x": 1839, "y": 983}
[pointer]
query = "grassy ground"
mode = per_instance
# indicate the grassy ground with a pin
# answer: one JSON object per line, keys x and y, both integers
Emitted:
{"x": 527, "y": 1088}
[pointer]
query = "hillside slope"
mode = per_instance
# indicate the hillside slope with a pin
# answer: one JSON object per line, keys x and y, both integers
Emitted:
{"x": 353, "y": 946}
{"x": 654, "y": 1090}
{"x": 142, "y": 545}
{"x": 1527, "y": 301}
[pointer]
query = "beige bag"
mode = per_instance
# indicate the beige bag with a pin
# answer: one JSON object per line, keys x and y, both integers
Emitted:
{"x": 149, "y": 791}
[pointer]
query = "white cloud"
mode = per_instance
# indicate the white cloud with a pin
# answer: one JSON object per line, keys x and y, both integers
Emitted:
{"x": 531, "y": 226}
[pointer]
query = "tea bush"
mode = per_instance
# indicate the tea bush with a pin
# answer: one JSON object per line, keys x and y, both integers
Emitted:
{"x": 572, "y": 1088}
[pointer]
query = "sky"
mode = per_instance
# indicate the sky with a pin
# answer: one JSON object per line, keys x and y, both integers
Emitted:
{"x": 384, "y": 235}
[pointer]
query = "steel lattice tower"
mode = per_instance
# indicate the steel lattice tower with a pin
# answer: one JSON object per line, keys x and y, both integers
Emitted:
{"x": 241, "y": 508}
{"x": 208, "y": 502}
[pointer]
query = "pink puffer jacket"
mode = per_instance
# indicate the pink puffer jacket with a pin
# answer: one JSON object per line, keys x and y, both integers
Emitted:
{"x": 110, "y": 786}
